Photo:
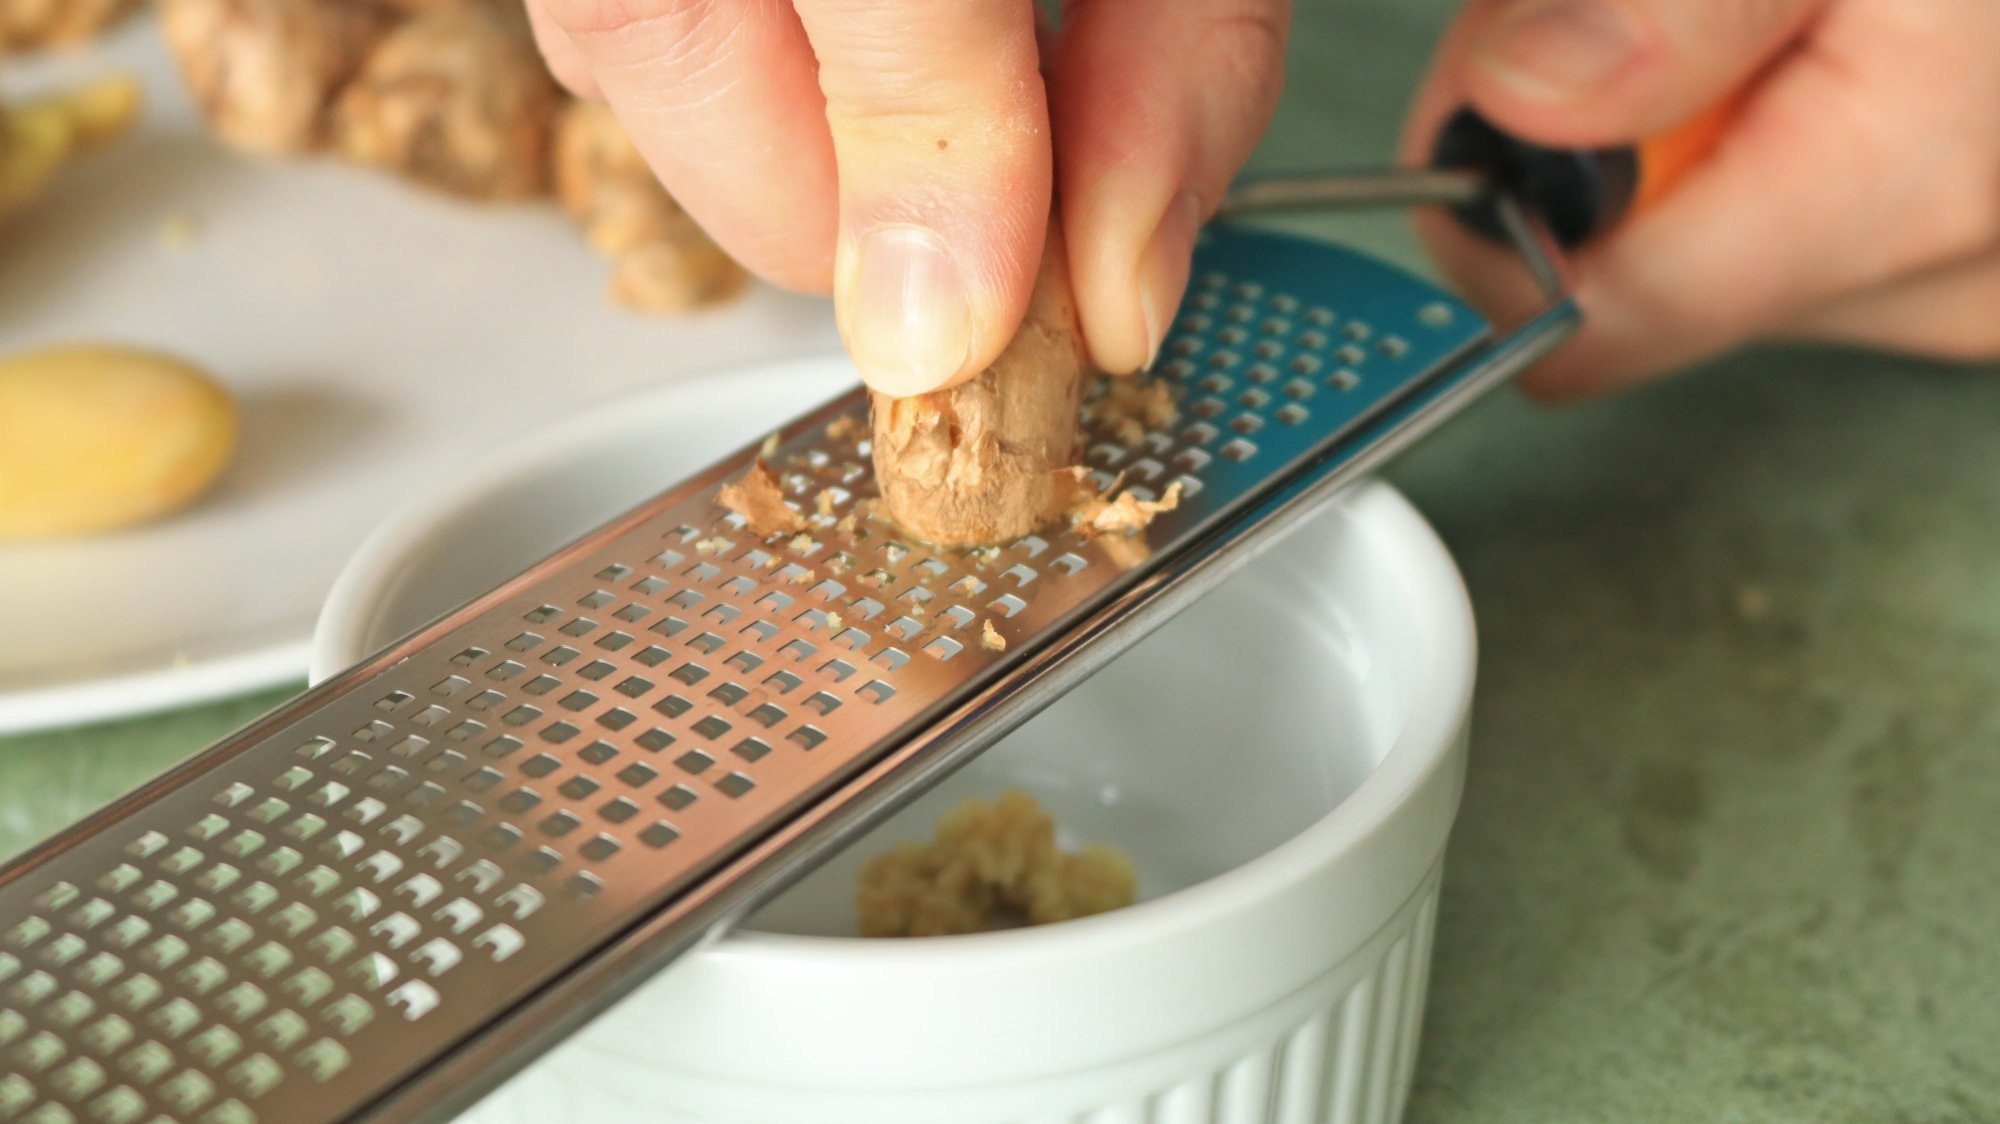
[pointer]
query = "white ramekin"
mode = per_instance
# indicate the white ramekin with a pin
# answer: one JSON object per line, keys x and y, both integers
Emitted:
{"x": 1286, "y": 986}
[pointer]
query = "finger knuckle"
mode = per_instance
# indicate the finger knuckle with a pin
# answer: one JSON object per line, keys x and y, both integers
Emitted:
{"x": 1247, "y": 38}
{"x": 614, "y": 17}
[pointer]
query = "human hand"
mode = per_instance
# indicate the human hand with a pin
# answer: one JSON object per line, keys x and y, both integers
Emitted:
{"x": 1855, "y": 197}
{"x": 899, "y": 152}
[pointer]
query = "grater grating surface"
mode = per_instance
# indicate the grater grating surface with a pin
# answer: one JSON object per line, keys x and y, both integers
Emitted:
{"x": 326, "y": 908}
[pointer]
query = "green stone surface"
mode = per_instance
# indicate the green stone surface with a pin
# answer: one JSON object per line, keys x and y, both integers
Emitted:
{"x": 1732, "y": 829}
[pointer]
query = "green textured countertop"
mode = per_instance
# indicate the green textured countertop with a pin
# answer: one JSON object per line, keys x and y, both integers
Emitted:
{"x": 1730, "y": 836}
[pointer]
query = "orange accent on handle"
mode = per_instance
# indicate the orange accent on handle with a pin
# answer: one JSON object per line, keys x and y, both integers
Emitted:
{"x": 1666, "y": 158}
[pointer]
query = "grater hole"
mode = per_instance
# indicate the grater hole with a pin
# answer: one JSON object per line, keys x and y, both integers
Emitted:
{"x": 638, "y": 775}
{"x": 1291, "y": 414}
{"x": 822, "y": 703}
{"x": 806, "y": 737}
{"x": 751, "y": 749}
{"x": 694, "y": 762}
{"x": 1007, "y": 605}
{"x": 852, "y": 638}
{"x": 905, "y": 628}
{"x": 578, "y": 787}
{"x": 648, "y": 586}
{"x": 1344, "y": 379}
{"x": 1216, "y": 384}
{"x": 839, "y": 670}
{"x": 560, "y": 656}
{"x": 1199, "y": 434}
{"x": 711, "y": 727}
{"x": 673, "y": 706}
{"x": 505, "y": 670}
{"x": 618, "y": 810}
{"x": 1239, "y": 450}
{"x": 1351, "y": 355}
{"x": 677, "y": 797}
{"x": 1207, "y": 408}
{"x": 1246, "y": 424}
{"x": 709, "y": 643}
{"x": 767, "y": 715}
{"x": 1253, "y": 399}
{"x": 668, "y": 626}
{"x": 469, "y": 656}
{"x": 654, "y": 740}
{"x": 735, "y": 786}
{"x": 1263, "y": 373}
{"x": 658, "y": 834}
{"x": 784, "y": 681}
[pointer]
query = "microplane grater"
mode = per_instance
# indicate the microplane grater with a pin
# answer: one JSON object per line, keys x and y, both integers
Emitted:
{"x": 380, "y": 899}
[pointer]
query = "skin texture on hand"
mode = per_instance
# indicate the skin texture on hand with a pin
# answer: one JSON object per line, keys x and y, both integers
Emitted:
{"x": 904, "y": 154}
{"x": 1855, "y": 198}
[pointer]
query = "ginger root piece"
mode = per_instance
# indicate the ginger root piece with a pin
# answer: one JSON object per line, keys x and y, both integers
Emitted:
{"x": 454, "y": 98}
{"x": 975, "y": 463}
{"x": 992, "y": 866}
{"x": 761, "y": 502}
{"x": 37, "y": 139}
{"x": 265, "y": 71}
{"x": 27, "y": 25}
{"x": 661, "y": 260}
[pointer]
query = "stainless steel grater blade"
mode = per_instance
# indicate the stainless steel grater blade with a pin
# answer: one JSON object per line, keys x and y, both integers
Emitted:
{"x": 382, "y": 898}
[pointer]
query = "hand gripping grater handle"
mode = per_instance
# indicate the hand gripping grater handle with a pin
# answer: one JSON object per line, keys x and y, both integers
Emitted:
{"x": 382, "y": 898}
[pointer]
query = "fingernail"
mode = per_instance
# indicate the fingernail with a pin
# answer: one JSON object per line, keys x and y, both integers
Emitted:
{"x": 1559, "y": 50}
{"x": 1163, "y": 269}
{"x": 909, "y": 317}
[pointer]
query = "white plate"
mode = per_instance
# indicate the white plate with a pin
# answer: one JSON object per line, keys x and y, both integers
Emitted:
{"x": 376, "y": 337}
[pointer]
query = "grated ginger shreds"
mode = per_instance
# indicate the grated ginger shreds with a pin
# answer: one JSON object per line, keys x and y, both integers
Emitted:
{"x": 993, "y": 865}
{"x": 761, "y": 502}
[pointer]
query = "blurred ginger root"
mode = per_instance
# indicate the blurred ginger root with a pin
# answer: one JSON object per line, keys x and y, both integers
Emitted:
{"x": 265, "y": 72}
{"x": 452, "y": 95}
{"x": 455, "y": 98}
{"x": 661, "y": 260}
{"x": 38, "y": 138}
{"x": 28, "y": 25}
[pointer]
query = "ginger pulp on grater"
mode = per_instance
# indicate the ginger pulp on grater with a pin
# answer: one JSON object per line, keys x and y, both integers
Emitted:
{"x": 992, "y": 866}
{"x": 757, "y": 497}
{"x": 975, "y": 464}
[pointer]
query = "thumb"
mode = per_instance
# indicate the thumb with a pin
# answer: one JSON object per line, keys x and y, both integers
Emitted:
{"x": 941, "y": 141}
{"x": 1603, "y": 72}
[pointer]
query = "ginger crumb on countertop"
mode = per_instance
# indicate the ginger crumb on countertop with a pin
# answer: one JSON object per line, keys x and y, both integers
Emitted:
{"x": 993, "y": 865}
{"x": 757, "y": 497}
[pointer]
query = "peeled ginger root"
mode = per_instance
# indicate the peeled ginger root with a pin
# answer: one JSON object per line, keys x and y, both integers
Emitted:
{"x": 38, "y": 138}
{"x": 992, "y": 866}
{"x": 94, "y": 438}
{"x": 27, "y": 25}
{"x": 661, "y": 260}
